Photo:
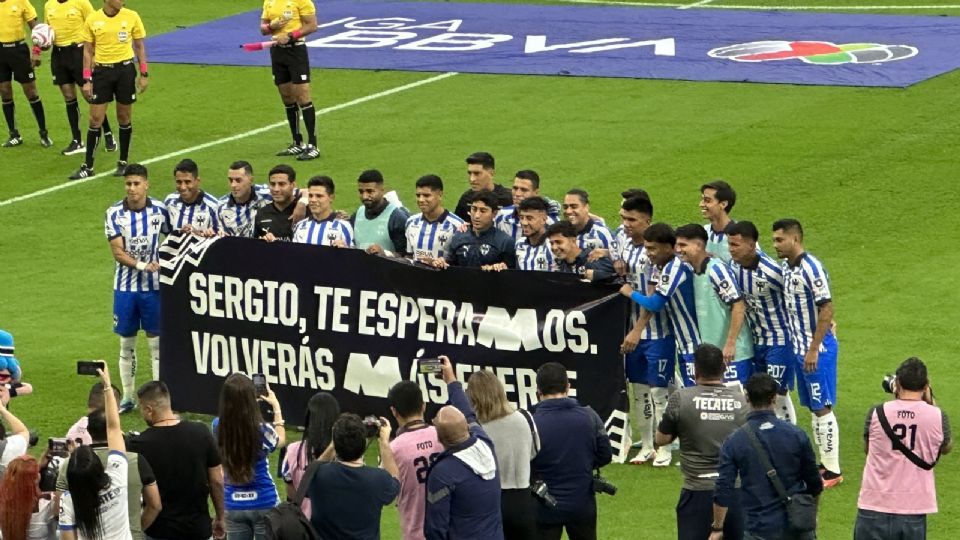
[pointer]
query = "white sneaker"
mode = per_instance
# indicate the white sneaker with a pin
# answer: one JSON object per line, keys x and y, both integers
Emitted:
{"x": 663, "y": 458}
{"x": 644, "y": 455}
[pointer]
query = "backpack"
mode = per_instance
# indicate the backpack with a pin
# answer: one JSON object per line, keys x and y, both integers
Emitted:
{"x": 286, "y": 521}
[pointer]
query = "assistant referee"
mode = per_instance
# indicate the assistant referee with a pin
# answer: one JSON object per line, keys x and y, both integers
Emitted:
{"x": 113, "y": 43}
{"x": 16, "y": 64}
{"x": 66, "y": 18}
{"x": 288, "y": 21}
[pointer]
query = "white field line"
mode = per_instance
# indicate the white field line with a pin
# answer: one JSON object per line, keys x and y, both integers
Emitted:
{"x": 701, "y": 3}
{"x": 707, "y": 5}
{"x": 252, "y": 132}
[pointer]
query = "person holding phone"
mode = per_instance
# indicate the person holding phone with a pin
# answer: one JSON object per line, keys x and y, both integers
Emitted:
{"x": 17, "y": 440}
{"x": 25, "y": 512}
{"x": 245, "y": 442}
{"x": 95, "y": 506}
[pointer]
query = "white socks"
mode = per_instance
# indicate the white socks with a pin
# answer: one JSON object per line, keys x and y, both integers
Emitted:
{"x": 785, "y": 410}
{"x": 643, "y": 407}
{"x": 660, "y": 396}
{"x": 154, "y": 344}
{"x": 128, "y": 365}
{"x": 826, "y": 433}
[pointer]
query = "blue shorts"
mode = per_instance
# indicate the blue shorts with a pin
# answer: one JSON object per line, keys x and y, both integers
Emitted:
{"x": 818, "y": 390}
{"x": 687, "y": 370}
{"x": 777, "y": 361}
{"x": 652, "y": 362}
{"x": 739, "y": 371}
{"x": 135, "y": 310}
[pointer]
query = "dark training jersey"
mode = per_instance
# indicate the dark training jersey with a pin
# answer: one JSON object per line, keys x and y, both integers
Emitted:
{"x": 702, "y": 417}
{"x": 475, "y": 250}
{"x": 271, "y": 219}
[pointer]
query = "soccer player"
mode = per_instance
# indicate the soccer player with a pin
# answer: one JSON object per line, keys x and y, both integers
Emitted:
{"x": 480, "y": 172}
{"x": 526, "y": 184}
{"x": 322, "y": 227}
{"x": 273, "y": 221}
{"x": 237, "y": 208}
{"x": 716, "y": 202}
{"x": 533, "y": 250}
{"x": 482, "y": 245}
{"x": 571, "y": 259}
{"x": 190, "y": 208}
{"x": 648, "y": 348}
{"x": 721, "y": 309}
{"x": 113, "y": 42}
{"x": 16, "y": 64}
{"x": 760, "y": 279}
{"x": 133, "y": 227}
{"x": 287, "y": 23}
{"x": 806, "y": 292}
{"x": 380, "y": 225}
{"x": 429, "y": 232}
{"x": 674, "y": 294}
{"x": 590, "y": 233}
{"x": 66, "y": 18}
{"x": 620, "y": 237}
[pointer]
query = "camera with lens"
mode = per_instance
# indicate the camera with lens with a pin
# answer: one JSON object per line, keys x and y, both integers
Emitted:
{"x": 57, "y": 452}
{"x": 372, "y": 426}
{"x": 888, "y": 383}
{"x": 602, "y": 485}
{"x": 539, "y": 490}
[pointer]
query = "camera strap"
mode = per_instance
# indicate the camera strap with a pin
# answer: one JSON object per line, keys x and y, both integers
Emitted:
{"x": 533, "y": 429}
{"x": 305, "y": 481}
{"x": 765, "y": 462}
{"x": 898, "y": 442}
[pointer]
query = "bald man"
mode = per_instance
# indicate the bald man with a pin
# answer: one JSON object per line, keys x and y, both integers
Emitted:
{"x": 463, "y": 486}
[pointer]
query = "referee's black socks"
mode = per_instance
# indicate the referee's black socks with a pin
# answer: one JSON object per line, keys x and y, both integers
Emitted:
{"x": 93, "y": 140}
{"x": 105, "y": 126}
{"x": 310, "y": 122}
{"x": 38, "y": 113}
{"x": 8, "y": 116}
{"x": 126, "y": 132}
{"x": 293, "y": 118}
{"x": 73, "y": 116}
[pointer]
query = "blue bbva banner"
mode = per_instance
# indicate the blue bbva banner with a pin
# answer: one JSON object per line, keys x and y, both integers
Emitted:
{"x": 695, "y": 45}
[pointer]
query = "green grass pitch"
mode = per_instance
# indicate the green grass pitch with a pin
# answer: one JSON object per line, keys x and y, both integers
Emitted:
{"x": 870, "y": 172}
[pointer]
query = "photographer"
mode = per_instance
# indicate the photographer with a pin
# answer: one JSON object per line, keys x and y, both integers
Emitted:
{"x": 904, "y": 438}
{"x": 25, "y": 512}
{"x": 346, "y": 496}
{"x": 140, "y": 478}
{"x": 574, "y": 443}
{"x": 12, "y": 445}
{"x": 463, "y": 486}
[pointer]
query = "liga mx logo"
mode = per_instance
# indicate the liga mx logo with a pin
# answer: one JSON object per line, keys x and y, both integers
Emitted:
{"x": 822, "y": 53}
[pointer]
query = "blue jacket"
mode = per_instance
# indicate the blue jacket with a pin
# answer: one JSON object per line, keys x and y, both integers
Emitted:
{"x": 573, "y": 442}
{"x": 602, "y": 268}
{"x": 461, "y": 504}
{"x": 475, "y": 250}
{"x": 791, "y": 454}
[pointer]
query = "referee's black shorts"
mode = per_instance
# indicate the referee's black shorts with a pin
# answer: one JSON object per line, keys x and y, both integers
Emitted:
{"x": 66, "y": 64}
{"x": 290, "y": 64}
{"x": 115, "y": 81}
{"x": 15, "y": 63}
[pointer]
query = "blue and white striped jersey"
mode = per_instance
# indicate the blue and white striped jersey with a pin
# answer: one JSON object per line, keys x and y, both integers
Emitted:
{"x": 534, "y": 257}
{"x": 806, "y": 287}
{"x": 201, "y": 214}
{"x": 140, "y": 231}
{"x": 428, "y": 239}
{"x": 762, "y": 288}
{"x": 323, "y": 232}
{"x": 676, "y": 284}
{"x": 619, "y": 240}
{"x": 508, "y": 218}
{"x": 236, "y": 219}
{"x": 640, "y": 273}
{"x": 595, "y": 236}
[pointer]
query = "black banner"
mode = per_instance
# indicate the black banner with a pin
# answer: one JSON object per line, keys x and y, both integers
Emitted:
{"x": 317, "y": 318}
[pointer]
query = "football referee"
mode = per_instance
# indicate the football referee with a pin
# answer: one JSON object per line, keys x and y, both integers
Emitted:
{"x": 66, "y": 18}
{"x": 16, "y": 64}
{"x": 111, "y": 36}
{"x": 288, "y": 21}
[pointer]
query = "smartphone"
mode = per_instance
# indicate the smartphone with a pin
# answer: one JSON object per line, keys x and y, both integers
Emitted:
{"x": 260, "y": 383}
{"x": 429, "y": 365}
{"x": 57, "y": 447}
{"x": 90, "y": 367}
